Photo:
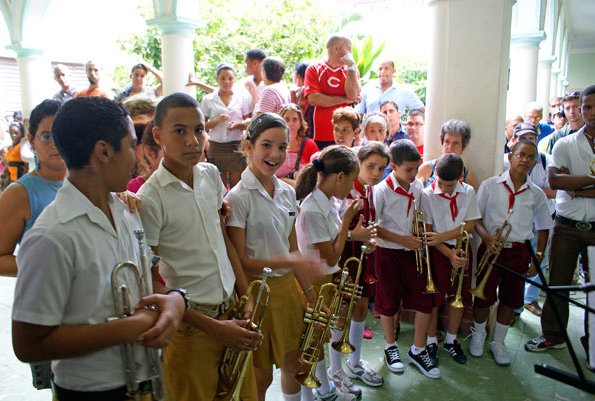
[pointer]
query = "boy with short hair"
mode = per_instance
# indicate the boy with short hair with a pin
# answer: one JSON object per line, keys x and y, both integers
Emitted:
{"x": 63, "y": 311}
{"x": 449, "y": 203}
{"x": 181, "y": 213}
{"x": 497, "y": 197}
{"x": 394, "y": 199}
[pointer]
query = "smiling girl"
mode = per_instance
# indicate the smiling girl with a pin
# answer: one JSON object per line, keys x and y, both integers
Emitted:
{"x": 261, "y": 227}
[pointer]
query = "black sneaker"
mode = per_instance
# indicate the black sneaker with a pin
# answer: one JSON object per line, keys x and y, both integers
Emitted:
{"x": 424, "y": 363}
{"x": 393, "y": 360}
{"x": 456, "y": 352}
{"x": 433, "y": 352}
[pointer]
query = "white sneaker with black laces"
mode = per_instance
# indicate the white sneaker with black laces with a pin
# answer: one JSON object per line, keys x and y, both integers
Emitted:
{"x": 498, "y": 351}
{"x": 393, "y": 359}
{"x": 363, "y": 372}
{"x": 424, "y": 363}
{"x": 477, "y": 340}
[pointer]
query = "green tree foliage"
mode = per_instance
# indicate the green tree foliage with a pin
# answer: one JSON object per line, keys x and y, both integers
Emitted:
{"x": 415, "y": 74}
{"x": 365, "y": 54}
{"x": 294, "y": 31}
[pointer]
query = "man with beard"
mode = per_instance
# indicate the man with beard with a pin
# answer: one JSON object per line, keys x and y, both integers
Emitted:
{"x": 93, "y": 71}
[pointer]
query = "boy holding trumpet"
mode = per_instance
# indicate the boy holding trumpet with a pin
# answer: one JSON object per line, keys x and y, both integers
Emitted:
{"x": 510, "y": 204}
{"x": 449, "y": 205}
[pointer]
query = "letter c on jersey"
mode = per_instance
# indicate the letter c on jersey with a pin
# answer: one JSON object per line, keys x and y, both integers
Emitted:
{"x": 333, "y": 82}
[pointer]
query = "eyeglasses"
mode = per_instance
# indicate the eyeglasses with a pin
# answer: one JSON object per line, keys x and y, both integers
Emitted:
{"x": 411, "y": 124}
{"x": 523, "y": 156}
{"x": 45, "y": 137}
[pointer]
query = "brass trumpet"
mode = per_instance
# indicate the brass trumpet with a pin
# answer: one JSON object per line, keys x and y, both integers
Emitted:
{"x": 349, "y": 294}
{"x": 124, "y": 307}
{"x": 319, "y": 320}
{"x": 487, "y": 261}
{"x": 422, "y": 255}
{"x": 369, "y": 277}
{"x": 235, "y": 363}
{"x": 462, "y": 250}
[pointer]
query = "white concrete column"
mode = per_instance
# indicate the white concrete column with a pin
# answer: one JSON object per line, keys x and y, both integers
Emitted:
{"x": 467, "y": 77}
{"x": 524, "y": 56}
{"x": 544, "y": 78}
{"x": 554, "y": 89}
{"x": 177, "y": 52}
{"x": 35, "y": 71}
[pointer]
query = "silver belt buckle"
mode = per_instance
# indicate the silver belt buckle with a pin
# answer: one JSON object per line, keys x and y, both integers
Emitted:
{"x": 507, "y": 245}
{"x": 583, "y": 225}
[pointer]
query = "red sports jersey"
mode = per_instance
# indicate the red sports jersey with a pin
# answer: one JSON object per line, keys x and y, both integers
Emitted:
{"x": 321, "y": 78}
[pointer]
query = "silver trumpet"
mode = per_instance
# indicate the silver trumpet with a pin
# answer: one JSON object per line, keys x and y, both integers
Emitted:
{"x": 124, "y": 307}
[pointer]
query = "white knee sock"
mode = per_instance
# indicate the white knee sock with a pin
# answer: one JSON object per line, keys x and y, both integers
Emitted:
{"x": 431, "y": 340}
{"x": 500, "y": 332}
{"x": 450, "y": 338}
{"x": 480, "y": 327}
{"x": 292, "y": 397}
{"x": 356, "y": 338}
{"x": 321, "y": 375}
{"x": 335, "y": 356}
{"x": 307, "y": 394}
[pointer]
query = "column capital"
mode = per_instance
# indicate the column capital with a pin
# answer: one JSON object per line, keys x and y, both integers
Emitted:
{"x": 556, "y": 72}
{"x": 547, "y": 61}
{"x": 23, "y": 51}
{"x": 174, "y": 25}
{"x": 532, "y": 39}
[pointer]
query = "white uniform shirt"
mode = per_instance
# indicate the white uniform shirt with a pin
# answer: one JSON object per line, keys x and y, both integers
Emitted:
{"x": 529, "y": 207}
{"x": 574, "y": 152}
{"x": 538, "y": 174}
{"x": 184, "y": 223}
{"x": 391, "y": 210}
{"x": 437, "y": 208}
{"x": 267, "y": 221}
{"x": 318, "y": 221}
{"x": 240, "y": 105}
{"x": 65, "y": 265}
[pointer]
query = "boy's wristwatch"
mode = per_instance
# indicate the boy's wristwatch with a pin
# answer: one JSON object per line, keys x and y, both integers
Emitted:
{"x": 183, "y": 293}
{"x": 349, "y": 236}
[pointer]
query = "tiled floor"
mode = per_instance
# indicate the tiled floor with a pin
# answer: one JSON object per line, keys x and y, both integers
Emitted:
{"x": 480, "y": 379}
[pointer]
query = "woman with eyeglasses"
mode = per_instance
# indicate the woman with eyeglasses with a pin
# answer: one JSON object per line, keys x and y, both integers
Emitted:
{"x": 455, "y": 135}
{"x": 22, "y": 202}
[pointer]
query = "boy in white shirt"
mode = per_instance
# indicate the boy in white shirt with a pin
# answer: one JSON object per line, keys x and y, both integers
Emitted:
{"x": 497, "y": 196}
{"x": 449, "y": 203}
{"x": 64, "y": 310}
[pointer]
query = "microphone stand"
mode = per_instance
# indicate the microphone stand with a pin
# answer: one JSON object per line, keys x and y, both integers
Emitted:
{"x": 577, "y": 380}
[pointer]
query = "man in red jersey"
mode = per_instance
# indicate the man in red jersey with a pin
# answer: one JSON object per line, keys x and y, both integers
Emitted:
{"x": 331, "y": 84}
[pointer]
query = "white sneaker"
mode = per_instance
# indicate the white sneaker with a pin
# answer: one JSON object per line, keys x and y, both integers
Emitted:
{"x": 477, "y": 340}
{"x": 344, "y": 383}
{"x": 498, "y": 351}
{"x": 333, "y": 395}
{"x": 363, "y": 372}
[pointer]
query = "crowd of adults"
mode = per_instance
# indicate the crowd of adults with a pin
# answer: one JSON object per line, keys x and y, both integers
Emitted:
{"x": 324, "y": 105}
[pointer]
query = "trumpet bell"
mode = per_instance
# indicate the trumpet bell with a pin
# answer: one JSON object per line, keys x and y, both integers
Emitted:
{"x": 343, "y": 347}
{"x": 457, "y": 303}
{"x": 308, "y": 378}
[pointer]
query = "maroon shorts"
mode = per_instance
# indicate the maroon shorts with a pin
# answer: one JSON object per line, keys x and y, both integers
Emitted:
{"x": 442, "y": 270}
{"x": 511, "y": 289}
{"x": 398, "y": 280}
{"x": 354, "y": 249}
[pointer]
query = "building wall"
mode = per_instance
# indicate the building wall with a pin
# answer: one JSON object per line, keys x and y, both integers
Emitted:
{"x": 581, "y": 70}
{"x": 10, "y": 88}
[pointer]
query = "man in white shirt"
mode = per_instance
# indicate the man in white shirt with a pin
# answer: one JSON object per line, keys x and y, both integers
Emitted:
{"x": 572, "y": 175}
{"x": 384, "y": 89}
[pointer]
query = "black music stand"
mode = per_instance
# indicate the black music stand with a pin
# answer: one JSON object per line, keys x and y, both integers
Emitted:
{"x": 577, "y": 379}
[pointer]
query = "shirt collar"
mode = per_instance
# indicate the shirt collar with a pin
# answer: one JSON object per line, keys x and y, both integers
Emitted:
{"x": 505, "y": 177}
{"x": 325, "y": 204}
{"x": 250, "y": 181}
{"x": 71, "y": 203}
{"x": 165, "y": 177}
{"x": 458, "y": 188}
